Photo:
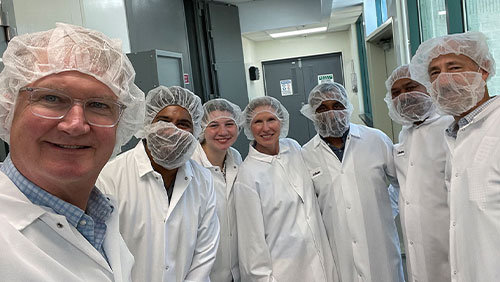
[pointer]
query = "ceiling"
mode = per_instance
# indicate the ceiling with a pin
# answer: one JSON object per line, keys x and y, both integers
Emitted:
{"x": 259, "y": 18}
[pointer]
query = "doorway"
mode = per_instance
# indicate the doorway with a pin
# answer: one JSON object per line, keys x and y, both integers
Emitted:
{"x": 291, "y": 80}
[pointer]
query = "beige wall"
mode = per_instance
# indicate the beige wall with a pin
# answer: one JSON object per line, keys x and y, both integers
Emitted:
{"x": 255, "y": 52}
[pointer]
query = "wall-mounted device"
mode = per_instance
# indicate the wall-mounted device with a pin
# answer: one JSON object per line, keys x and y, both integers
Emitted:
{"x": 254, "y": 73}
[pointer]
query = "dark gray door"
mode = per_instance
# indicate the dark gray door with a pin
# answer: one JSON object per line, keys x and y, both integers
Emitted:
{"x": 228, "y": 63}
{"x": 302, "y": 74}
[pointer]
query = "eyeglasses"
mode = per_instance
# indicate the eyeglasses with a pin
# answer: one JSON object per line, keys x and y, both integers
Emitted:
{"x": 53, "y": 104}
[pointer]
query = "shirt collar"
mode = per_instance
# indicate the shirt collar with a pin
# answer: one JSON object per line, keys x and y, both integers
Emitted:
{"x": 455, "y": 126}
{"x": 98, "y": 205}
{"x": 252, "y": 152}
{"x": 352, "y": 131}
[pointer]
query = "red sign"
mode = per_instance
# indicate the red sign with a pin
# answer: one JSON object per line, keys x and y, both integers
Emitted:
{"x": 186, "y": 78}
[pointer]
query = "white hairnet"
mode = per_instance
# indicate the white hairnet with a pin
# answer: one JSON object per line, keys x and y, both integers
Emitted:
{"x": 30, "y": 57}
{"x": 397, "y": 74}
{"x": 408, "y": 107}
{"x": 169, "y": 145}
{"x": 161, "y": 97}
{"x": 265, "y": 104}
{"x": 332, "y": 123}
{"x": 323, "y": 92}
{"x": 470, "y": 44}
{"x": 220, "y": 108}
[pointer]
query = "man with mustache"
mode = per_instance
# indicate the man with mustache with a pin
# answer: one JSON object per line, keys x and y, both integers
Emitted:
{"x": 420, "y": 158}
{"x": 167, "y": 205}
{"x": 455, "y": 69}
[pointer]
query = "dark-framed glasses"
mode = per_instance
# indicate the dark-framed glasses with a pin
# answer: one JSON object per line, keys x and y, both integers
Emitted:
{"x": 53, "y": 104}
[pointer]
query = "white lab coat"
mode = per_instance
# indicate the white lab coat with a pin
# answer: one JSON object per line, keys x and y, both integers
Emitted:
{"x": 473, "y": 180}
{"x": 420, "y": 160}
{"x": 175, "y": 242}
{"x": 280, "y": 233}
{"x": 355, "y": 204}
{"x": 226, "y": 267}
{"x": 37, "y": 244}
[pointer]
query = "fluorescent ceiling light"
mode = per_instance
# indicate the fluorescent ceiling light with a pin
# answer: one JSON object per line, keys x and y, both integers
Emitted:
{"x": 442, "y": 13}
{"x": 298, "y": 32}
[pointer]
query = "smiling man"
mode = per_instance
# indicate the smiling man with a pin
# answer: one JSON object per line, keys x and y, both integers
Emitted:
{"x": 456, "y": 68}
{"x": 166, "y": 201}
{"x": 68, "y": 102}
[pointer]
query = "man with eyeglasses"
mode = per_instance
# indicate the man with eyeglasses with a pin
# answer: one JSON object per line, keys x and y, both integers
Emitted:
{"x": 67, "y": 104}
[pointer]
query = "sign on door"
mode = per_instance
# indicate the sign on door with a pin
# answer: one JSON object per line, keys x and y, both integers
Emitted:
{"x": 322, "y": 78}
{"x": 286, "y": 87}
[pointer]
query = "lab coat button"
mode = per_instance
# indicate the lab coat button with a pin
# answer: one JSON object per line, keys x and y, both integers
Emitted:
{"x": 456, "y": 174}
{"x": 348, "y": 207}
{"x": 407, "y": 202}
{"x": 411, "y": 163}
{"x": 185, "y": 178}
{"x": 166, "y": 267}
{"x": 454, "y": 272}
{"x": 454, "y": 223}
{"x": 60, "y": 225}
{"x": 216, "y": 169}
{"x": 234, "y": 167}
{"x": 411, "y": 242}
{"x": 354, "y": 242}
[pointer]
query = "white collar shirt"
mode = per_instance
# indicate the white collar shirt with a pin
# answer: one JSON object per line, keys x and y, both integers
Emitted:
{"x": 170, "y": 242}
{"x": 473, "y": 182}
{"x": 354, "y": 200}
{"x": 420, "y": 160}
{"x": 226, "y": 267}
{"x": 280, "y": 233}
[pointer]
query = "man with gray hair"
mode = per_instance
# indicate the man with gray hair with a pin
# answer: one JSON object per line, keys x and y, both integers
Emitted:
{"x": 350, "y": 165}
{"x": 67, "y": 103}
{"x": 455, "y": 69}
{"x": 167, "y": 203}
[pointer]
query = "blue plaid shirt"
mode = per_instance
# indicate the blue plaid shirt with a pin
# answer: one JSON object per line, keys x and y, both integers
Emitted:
{"x": 91, "y": 224}
{"x": 453, "y": 129}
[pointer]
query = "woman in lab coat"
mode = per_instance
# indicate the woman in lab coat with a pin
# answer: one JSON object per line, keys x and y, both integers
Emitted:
{"x": 280, "y": 233}
{"x": 220, "y": 127}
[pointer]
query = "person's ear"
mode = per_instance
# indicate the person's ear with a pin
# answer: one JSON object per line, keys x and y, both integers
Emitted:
{"x": 484, "y": 72}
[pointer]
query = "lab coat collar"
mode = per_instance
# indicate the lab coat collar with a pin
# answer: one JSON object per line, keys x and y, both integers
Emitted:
{"x": 182, "y": 179}
{"x": 253, "y": 153}
{"x": 353, "y": 131}
{"x": 142, "y": 160}
{"x": 207, "y": 164}
{"x": 20, "y": 213}
{"x": 203, "y": 157}
{"x": 432, "y": 118}
{"x": 18, "y": 209}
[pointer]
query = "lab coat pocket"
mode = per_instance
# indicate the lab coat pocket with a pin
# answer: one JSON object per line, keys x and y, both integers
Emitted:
{"x": 481, "y": 190}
